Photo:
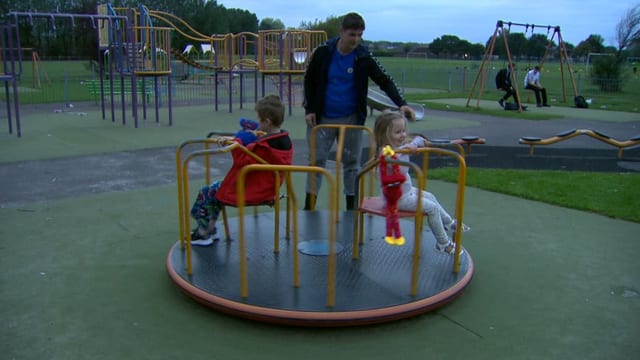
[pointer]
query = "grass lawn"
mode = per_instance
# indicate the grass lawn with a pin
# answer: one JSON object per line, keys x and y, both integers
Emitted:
{"x": 608, "y": 194}
{"x": 612, "y": 194}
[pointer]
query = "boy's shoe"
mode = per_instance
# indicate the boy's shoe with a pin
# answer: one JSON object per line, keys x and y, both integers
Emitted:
{"x": 448, "y": 248}
{"x": 501, "y": 102}
{"x": 200, "y": 240}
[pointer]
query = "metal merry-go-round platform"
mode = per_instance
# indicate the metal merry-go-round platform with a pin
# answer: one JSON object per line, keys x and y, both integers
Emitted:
{"x": 374, "y": 288}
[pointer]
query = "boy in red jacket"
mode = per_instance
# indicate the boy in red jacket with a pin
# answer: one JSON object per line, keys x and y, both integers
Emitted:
{"x": 272, "y": 145}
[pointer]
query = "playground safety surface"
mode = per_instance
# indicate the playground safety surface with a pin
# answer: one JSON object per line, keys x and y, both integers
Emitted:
{"x": 91, "y": 231}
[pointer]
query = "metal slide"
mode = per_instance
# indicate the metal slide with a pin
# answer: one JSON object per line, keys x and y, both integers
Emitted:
{"x": 377, "y": 100}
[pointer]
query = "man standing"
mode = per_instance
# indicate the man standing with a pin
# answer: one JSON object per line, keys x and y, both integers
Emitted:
{"x": 335, "y": 92}
{"x": 532, "y": 82}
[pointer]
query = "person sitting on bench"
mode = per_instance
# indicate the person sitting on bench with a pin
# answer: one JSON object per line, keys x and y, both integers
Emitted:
{"x": 532, "y": 82}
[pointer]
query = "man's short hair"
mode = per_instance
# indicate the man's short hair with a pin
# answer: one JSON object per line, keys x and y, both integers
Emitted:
{"x": 352, "y": 21}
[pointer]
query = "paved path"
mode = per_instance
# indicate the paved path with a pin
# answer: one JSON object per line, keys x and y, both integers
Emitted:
{"x": 71, "y": 176}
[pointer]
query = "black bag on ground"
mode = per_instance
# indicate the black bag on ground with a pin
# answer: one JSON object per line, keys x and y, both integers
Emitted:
{"x": 580, "y": 102}
{"x": 511, "y": 106}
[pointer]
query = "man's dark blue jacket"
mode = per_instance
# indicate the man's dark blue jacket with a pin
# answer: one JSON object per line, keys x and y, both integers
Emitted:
{"x": 366, "y": 66}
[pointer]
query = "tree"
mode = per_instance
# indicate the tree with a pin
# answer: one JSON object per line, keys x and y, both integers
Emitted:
{"x": 593, "y": 44}
{"x": 331, "y": 25}
{"x": 628, "y": 29}
{"x": 537, "y": 46}
{"x": 518, "y": 45}
{"x": 270, "y": 24}
{"x": 607, "y": 70}
{"x": 444, "y": 46}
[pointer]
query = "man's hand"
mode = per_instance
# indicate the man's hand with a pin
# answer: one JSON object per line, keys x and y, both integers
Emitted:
{"x": 408, "y": 112}
{"x": 311, "y": 119}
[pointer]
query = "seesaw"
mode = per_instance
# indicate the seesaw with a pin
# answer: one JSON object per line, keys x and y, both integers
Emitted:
{"x": 533, "y": 141}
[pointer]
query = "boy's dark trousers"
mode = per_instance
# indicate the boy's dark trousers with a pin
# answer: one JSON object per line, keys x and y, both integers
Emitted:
{"x": 541, "y": 95}
{"x": 509, "y": 92}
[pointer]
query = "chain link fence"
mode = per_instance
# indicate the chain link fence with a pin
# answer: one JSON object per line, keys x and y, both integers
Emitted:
{"x": 66, "y": 82}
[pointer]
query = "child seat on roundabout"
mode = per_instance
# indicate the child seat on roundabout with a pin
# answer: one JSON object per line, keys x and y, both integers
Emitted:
{"x": 375, "y": 205}
{"x": 225, "y": 146}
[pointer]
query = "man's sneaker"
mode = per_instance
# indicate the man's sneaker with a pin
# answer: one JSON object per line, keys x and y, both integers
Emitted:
{"x": 448, "y": 248}
{"x": 501, "y": 102}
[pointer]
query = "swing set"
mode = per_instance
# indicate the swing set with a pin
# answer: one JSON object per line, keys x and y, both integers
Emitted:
{"x": 502, "y": 30}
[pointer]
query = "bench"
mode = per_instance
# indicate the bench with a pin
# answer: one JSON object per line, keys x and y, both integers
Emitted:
{"x": 94, "y": 88}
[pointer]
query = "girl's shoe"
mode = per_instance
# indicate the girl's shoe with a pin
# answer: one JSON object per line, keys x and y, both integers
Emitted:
{"x": 454, "y": 226}
{"x": 448, "y": 248}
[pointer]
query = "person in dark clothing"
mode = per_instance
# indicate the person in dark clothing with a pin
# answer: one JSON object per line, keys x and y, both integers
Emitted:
{"x": 335, "y": 92}
{"x": 504, "y": 82}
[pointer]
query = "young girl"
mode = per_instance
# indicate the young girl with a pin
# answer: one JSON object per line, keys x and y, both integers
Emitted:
{"x": 391, "y": 129}
{"x": 275, "y": 147}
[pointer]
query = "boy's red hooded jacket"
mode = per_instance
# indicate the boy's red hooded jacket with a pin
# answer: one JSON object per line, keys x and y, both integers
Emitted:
{"x": 259, "y": 185}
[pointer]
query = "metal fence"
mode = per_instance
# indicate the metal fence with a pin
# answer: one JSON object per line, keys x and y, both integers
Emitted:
{"x": 229, "y": 90}
{"x": 461, "y": 80}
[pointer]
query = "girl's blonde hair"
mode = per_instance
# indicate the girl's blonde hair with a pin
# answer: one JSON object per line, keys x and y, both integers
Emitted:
{"x": 383, "y": 125}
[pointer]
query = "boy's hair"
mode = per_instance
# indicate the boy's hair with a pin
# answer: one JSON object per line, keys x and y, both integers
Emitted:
{"x": 352, "y": 21}
{"x": 382, "y": 127}
{"x": 271, "y": 107}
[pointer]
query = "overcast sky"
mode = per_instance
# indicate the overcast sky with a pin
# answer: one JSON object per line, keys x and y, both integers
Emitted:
{"x": 475, "y": 21}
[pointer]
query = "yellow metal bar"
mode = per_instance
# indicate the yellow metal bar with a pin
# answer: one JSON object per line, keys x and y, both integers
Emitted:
{"x": 462, "y": 175}
{"x": 418, "y": 220}
{"x": 185, "y": 209}
{"x": 179, "y": 180}
{"x": 340, "y": 145}
{"x": 276, "y": 232}
{"x": 182, "y": 216}
{"x": 185, "y": 182}
{"x": 421, "y": 175}
{"x": 358, "y": 217}
{"x": 244, "y": 288}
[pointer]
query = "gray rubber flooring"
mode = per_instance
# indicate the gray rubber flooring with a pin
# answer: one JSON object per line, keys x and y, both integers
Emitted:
{"x": 88, "y": 215}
